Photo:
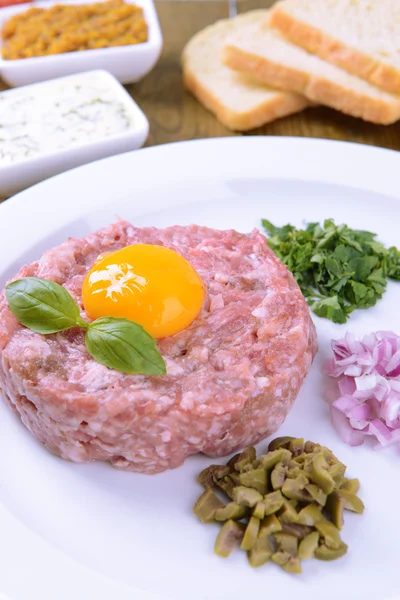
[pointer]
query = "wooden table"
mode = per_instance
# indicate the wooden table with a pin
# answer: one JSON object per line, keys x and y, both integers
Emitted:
{"x": 174, "y": 115}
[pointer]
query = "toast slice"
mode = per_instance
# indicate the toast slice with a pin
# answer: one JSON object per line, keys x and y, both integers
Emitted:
{"x": 360, "y": 36}
{"x": 259, "y": 51}
{"x": 238, "y": 101}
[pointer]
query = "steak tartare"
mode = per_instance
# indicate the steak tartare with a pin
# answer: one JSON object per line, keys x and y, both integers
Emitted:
{"x": 232, "y": 375}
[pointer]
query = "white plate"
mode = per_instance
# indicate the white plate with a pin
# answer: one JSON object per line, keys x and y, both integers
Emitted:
{"x": 127, "y": 63}
{"x": 17, "y": 176}
{"x": 89, "y": 531}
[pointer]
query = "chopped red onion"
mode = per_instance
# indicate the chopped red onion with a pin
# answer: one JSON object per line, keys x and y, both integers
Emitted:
{"x": 366, "y": 398}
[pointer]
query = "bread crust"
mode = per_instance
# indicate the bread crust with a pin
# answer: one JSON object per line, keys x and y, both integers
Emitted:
{"x": 316, "y": 88}
{"x": 281, "y": 105}
{"x": 335, "y": 51}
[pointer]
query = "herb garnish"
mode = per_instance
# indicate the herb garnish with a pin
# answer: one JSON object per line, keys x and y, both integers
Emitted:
{"x": 337, "y": 268}
{"x": 46, "y": 307}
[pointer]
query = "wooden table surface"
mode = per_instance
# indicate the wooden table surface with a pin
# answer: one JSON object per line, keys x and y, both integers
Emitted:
{"x": 175, "y": 115}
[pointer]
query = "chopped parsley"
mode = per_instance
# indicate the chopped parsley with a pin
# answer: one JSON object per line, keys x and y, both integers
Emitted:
{"x": 337, "y": 268}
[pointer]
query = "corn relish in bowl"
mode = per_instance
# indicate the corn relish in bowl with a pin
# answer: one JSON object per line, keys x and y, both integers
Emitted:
{"x": 72, "y": 27}
{"x": 52, "y": 39}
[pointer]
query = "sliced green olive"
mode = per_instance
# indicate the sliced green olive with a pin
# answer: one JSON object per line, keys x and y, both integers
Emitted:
{"x": 235, "y": 478}
{"x": 207, "y": 505}
{"x": 351, "y": 485}
{"x": 280, "y": 442}
{"x": 256, "y": 478}
{"x": 309, "y": 447}
{"x": 307, "y": 465}
{"x": 330, "y": 533}
{"x": 299, "y": 531}
{"x": 337, "y": 469}
{"x": 251, "y": 534}
{"x": 325, "y": 553}
{"x": 209, "y": 476}
{"x": 293, "y": 565}
{"x": 281, "y": 558}
{"x": 309, "y": 486}
{"x": 273, "y": 502}
{"x": 335, "y": 507}
{"x": 327, "y": 454}
{"x": 351, "y": 501}
{"x": 320, "y": 475}
{"x": 278, "y": 476}
{"x": 338, "y": 479}
{"x": 273, "y": 458}
{"x": 286, "y": 543}
{"x": 316, "y": 493}
{"x": 261, "y": 552}
{"x": 308, "y": 545}
{"x": 232, "y": 461}
{"x": 230, "y": 511}
{"x": 249, "y": 452}
{"x": 229, "y": 535}
{"x": 295, "y": 488}
{"x": 296, "y": 446}
{"x": 309, "y": 515}
{"x": 294, "y": 471}
{"x": 246, "y": 467}
{"x": 245, "y": 458}
{"x": 226, "y": 485}
{"x": 246, "y": 496}
{"x": 259, "y": 510}
{"x": 269, "y": 525}
{"x": 299, "y": 460}
{"x": 288, "y": 513}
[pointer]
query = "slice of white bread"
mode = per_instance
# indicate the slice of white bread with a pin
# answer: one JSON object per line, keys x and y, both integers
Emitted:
{"x": 239, "y": 102}
{"x": 360, "y": 36}
{"x": 259, "y": 51}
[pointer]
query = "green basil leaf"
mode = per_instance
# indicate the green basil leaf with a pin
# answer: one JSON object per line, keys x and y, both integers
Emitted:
{"x": 42, "y": 305}
{"x": 125, "y": 346}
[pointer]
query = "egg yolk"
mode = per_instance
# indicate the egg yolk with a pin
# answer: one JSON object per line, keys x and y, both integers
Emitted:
{"x": 151, "y": 285}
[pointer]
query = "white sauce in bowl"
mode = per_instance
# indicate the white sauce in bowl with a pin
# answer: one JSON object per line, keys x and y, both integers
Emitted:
{"x": 61, "y": 114}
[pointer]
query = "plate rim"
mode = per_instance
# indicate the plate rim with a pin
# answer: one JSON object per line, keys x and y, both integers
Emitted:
{"x": 311, "y": 147}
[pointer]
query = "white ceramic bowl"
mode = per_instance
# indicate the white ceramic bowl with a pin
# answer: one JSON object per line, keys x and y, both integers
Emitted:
{"x": 127, "y": 63}
{"x": 55, "y": 154}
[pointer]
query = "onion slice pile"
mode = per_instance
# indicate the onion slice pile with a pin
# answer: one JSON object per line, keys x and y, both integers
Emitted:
{"x": 365, "y": 396}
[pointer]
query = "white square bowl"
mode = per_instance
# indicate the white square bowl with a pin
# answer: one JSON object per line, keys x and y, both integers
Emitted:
{"x": 127, "y": 63}
{"x": 16, "y": 176}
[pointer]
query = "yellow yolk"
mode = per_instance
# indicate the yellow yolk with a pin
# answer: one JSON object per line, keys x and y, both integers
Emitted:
{"x": 151, "y": 285}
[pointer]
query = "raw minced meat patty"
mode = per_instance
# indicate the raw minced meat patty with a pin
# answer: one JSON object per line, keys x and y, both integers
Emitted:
{"x": 232, "y": 376}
